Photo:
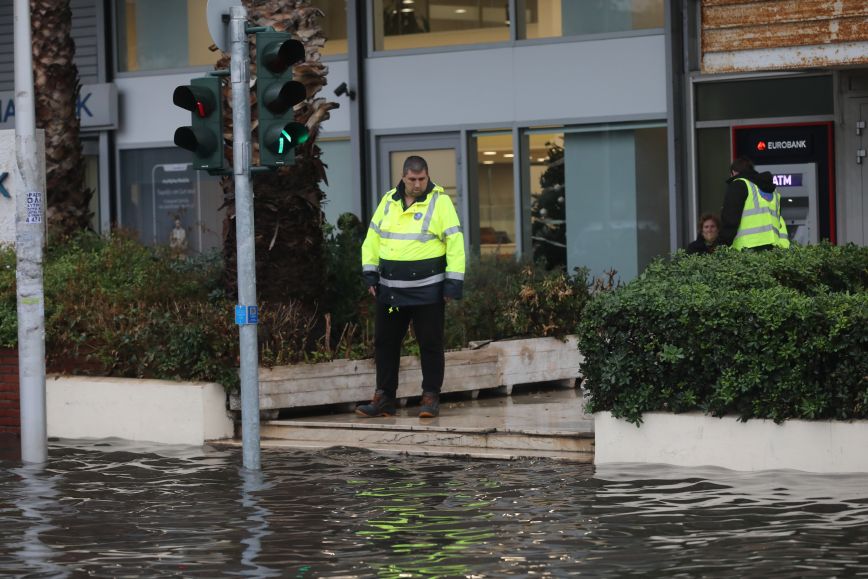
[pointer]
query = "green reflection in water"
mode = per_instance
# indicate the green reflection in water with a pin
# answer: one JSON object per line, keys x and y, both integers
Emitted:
{"x": 427, "y": 523}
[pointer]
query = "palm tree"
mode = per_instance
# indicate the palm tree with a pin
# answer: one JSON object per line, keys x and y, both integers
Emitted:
{"x": 56, "y": 86}
{"x": 287, "y": 202}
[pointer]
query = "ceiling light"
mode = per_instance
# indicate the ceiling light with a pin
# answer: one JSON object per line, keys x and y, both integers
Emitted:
{"x": 490, "y": 153}
{"x": 461, "y": 10}
{"x": 541, "y": 159}
{"x": 406, "y": 10}
{"x": 508, "y": 155}
{"x": 488, "y": 162}
{"x": 408, "y": 2}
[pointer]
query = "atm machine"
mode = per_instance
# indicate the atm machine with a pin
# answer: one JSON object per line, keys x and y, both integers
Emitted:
{"x": 797, "y": 184}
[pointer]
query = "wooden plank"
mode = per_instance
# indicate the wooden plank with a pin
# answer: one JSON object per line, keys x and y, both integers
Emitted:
{"x": 347, "y": 381}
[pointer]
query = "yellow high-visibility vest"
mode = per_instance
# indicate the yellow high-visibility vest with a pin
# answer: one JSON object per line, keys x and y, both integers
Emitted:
{"x": 417, "y": 253}
{"x": 761, "y": 221}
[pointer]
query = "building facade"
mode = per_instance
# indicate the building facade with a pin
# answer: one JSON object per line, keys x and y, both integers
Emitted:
{"x": 587, "y": 133}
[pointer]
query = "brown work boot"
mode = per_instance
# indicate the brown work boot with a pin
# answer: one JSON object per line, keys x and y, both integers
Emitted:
{"x": 430, "y": 405}
{"x": 380, "y": 405}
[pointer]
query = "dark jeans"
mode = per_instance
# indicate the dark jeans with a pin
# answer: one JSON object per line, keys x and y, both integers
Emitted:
{"x": 390, "y": 330}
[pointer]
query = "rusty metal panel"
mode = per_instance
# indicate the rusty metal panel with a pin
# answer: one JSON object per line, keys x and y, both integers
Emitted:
{"x": 789, "y": 34}
{"x": 759, "y": 15}
{"x": 744, "y": 35}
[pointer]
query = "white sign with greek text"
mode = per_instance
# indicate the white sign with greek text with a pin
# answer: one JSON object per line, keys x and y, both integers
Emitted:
{"x": 34, "y": 207}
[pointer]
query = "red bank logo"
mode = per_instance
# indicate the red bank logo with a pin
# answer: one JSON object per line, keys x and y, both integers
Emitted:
{"x": 774, "y": 145}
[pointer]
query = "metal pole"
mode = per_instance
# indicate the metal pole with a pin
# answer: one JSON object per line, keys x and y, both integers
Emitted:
{"x": 29, "y": 238}
{"x": 244, "y": 232}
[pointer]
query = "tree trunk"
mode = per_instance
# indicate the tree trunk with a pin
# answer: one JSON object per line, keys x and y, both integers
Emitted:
{"x": 287, "y": 202}
{"x": 56, "y": 88}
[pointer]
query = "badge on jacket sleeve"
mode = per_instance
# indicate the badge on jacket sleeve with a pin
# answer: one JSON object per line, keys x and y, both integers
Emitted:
{"x": 417, "y": 216}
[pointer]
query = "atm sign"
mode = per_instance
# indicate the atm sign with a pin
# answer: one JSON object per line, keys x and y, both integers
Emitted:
{"x": 787, "y": 180}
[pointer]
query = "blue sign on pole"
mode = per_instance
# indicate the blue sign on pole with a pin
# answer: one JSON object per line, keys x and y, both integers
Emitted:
{"x": 246, "y": 315}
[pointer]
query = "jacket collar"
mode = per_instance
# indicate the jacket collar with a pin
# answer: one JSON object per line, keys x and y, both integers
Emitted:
{"x": 399, "y": 192}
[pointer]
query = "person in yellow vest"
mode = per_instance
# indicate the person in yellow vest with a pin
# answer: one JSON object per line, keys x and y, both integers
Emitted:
{"x": 413, "y": 262}
{"x": 751, "y": 216}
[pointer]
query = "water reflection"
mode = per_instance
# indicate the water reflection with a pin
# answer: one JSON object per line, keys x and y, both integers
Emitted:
{"x": 253, "y": 482}
{"x": 425, "y": 526}
{"x": 36, "y": 500}
{"x": 122, "y": 510}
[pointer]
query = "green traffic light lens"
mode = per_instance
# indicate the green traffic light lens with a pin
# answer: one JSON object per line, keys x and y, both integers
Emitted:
{"x": 283, "y": 138}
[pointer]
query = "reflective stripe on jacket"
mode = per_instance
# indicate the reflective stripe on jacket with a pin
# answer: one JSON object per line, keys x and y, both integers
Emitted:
{"x": 761, "y": 221}
{"x": 415, "y": 255}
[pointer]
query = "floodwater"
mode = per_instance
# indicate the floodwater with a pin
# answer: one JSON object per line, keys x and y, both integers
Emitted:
{"x": 113, "y": 509}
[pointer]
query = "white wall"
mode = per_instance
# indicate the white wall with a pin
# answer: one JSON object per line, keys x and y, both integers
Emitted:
{"x": 694, "y": 439}
{"x": 142, "y": 410}
{"x": 147, "y": 115}
{"x": 533, "y": 83}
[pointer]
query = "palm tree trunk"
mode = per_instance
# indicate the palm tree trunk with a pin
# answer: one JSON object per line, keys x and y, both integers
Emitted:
{"x": 56, "y": 88}
{"x": 287, "y": 202}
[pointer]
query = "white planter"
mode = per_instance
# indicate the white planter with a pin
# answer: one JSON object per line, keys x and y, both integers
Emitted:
{"x": 141, "y": 410}
{"x": 497, "y": 364}
{"x": 694, "y": 439}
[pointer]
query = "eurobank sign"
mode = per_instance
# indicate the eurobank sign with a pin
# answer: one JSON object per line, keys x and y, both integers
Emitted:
{"x": 96, "y": 106}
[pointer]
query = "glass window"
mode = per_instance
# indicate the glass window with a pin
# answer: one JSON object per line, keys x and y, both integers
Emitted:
{"x": 495, "y": 192}
{"x": 713, "y": 156}
{"x": 337, "y": 155}
{"x": 334, "y": 25}
{"x": 163, "y": 34}
{"x": 403, "y": 24}
{"x": 160, "y": 191}
{"x": 599, "y": 198}
{"x": 167, "y": 34}
{"x": 548, "y": 226}
{"x": 90, "y": 151}
{"x": 548, "y": 18}
{"x": 772, "y": 97}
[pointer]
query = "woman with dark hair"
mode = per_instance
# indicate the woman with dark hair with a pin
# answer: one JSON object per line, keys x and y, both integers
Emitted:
{"x": 706, "y": 242}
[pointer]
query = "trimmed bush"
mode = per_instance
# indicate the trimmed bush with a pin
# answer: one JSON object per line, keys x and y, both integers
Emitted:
{"x": 778, "y": 335}
{"x": 114, "y": 307}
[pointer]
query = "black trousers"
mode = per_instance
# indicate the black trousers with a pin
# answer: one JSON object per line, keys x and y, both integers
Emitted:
{"x": 391, "y": 328}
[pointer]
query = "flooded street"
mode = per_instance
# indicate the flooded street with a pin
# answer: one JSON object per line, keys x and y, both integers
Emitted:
{"x": 113, "y": 509}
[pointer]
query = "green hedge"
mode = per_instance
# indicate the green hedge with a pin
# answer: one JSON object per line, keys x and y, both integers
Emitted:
{"x": 116, "y": 308}
{"x": 775, "y": 335}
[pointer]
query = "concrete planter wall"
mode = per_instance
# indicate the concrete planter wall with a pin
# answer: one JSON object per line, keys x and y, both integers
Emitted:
{"x": 694, "y": 439}
{"x": 494, "y": 365}
{"x": 141, "y": 410}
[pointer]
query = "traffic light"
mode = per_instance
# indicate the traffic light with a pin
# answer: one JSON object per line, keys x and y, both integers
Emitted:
{"x": 276, "y": 95}
{"x": 203, "y": 98}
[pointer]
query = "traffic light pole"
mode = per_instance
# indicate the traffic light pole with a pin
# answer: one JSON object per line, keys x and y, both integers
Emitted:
{"x": 244, "y": 235}
{"x": 29, "y": 238}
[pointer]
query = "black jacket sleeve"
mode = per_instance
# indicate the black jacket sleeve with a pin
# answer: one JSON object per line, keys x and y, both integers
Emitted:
{"x": 372, "y": 278}
{"x": 696, "y": 246}
{"x": 453, "y": 288}
{"x": 730, "y": 215}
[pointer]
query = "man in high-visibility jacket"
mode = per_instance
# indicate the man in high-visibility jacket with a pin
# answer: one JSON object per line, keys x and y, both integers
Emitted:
{"x": 413, "y": 262}
{"x": 751, "y": 216}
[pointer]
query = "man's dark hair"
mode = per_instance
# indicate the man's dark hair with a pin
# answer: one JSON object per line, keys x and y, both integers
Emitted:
{"x": 415, "y": 163}
{"x": 742, "y": 165}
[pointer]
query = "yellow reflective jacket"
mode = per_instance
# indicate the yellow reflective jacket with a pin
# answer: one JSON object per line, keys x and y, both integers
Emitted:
{"x": 415, "y": 256}
{"x": 761, "y": 221}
